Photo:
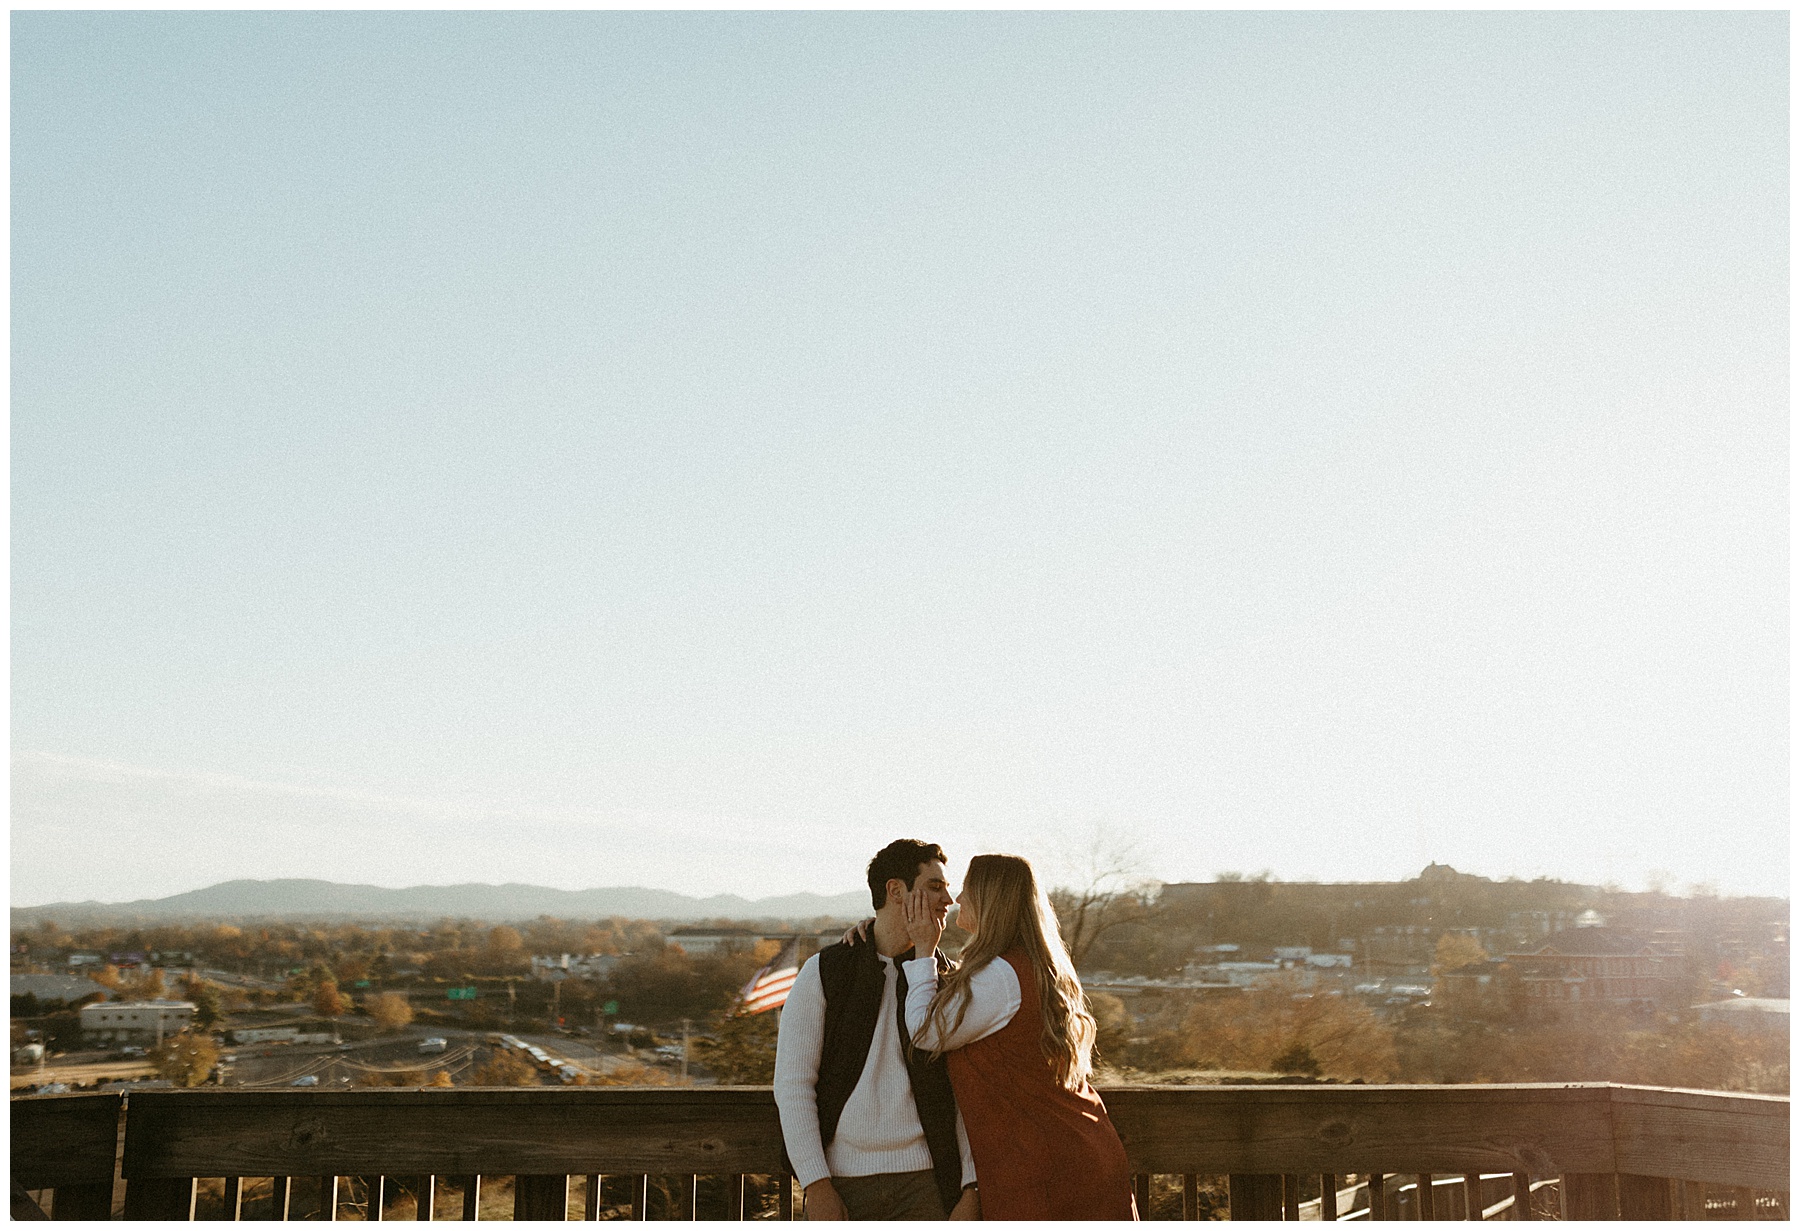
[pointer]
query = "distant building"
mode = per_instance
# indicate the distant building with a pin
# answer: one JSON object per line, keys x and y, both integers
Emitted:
{"x": 1590, "y": 966}
{"x": 136, "y": 1021}
{"x": 697, "y": 940}
{"x": 554, "y": 969}
{"x": 283, "y": 1034}
{"x": 64, "y": 988}
{"x": 1750, "y": 1014}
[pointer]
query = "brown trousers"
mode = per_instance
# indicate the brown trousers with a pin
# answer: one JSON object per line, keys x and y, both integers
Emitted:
{"x": 899, "y": 1194}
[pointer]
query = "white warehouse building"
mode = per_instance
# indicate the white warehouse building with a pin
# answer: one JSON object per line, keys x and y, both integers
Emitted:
{"x": 137, "y": 1020}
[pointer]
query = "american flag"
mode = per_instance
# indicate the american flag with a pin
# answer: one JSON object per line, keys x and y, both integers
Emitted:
{"x": 768, "y": 987}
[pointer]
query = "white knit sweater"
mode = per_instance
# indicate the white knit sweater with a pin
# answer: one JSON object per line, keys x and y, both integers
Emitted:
{"x": 879, "y": 1132}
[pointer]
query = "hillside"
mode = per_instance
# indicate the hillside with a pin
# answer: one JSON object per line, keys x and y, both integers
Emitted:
{"x": 293, "y": 898}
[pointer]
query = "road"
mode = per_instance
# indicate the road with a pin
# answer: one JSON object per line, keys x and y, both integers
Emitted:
{"x": 350, "y": 1064}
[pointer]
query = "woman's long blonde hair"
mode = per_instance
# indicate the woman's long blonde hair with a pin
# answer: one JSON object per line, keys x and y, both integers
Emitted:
{"x": 1012, "y": 910}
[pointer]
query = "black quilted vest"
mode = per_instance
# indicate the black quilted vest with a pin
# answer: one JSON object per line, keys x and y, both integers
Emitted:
{"x": 853, "y": 982}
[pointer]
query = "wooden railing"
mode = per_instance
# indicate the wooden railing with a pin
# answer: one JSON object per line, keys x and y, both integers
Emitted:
{"x": 1269, "y": 1152}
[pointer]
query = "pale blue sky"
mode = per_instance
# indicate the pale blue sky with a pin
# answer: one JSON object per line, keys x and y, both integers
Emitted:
{"x": 690, "y": 450}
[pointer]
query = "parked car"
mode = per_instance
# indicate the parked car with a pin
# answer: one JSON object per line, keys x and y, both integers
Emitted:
{"x": 309, "y": 1080}
{"x": 433, "y": 1044}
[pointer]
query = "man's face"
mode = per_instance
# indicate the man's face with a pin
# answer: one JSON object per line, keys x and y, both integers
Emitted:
{"x": 936, "y": 883}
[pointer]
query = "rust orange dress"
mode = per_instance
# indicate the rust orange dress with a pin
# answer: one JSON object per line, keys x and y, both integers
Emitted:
{"x": 1041, "y": 1151}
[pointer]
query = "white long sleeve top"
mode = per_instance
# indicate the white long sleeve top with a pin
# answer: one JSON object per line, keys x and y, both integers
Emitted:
{"x": 994, "y": 996}
{"x": 879, "y": 1131}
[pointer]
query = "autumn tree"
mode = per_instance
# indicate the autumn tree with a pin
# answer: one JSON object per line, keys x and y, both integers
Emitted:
{"x": 1456, "y": 950}
{"x": 1342, "y": 1037}
{"x": 327, "y": 1001}
{"x": 505, "y": 951}
{"x": 392, "y": 1011}
{"x": 205, "y": 998}
{"x": 186, "y": 1059}
{"x": 671, "y": 983}
{"x": 742, "y": 1049}
{"x": 504, "y": 1068}
{"x": 1112, "y": 1027}
{"x": 146, "y": 984}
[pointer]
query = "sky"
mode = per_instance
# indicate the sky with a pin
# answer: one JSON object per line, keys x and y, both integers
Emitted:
{"x": 691, "y": 450}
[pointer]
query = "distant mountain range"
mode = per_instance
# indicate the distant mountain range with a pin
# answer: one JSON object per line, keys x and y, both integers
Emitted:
{"x": 293, "y": 899}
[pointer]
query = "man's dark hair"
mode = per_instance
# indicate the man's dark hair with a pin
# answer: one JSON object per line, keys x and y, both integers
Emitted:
{"x": 899, "y": 861}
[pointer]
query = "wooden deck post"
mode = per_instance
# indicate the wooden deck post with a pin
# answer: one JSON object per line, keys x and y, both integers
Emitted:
{"x": 1521, "y": 1185}
{"x": 1643, "y": 1196}
{"x": 161, "y": 1200}
{"x": 1592, "y": 1196}
{"x": 1256, "y": 1198}
{"x": 81, "y": 1202}
{"x": 540, "y": 1198}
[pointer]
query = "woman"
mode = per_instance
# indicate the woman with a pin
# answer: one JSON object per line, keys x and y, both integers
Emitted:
{"x": 1019, "y": 1039}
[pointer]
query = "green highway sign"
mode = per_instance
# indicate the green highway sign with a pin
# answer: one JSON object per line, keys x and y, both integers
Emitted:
{"x": 460, "y": 993}
{"x": 360, "y": 983}
{"x": 611, "y": 1006}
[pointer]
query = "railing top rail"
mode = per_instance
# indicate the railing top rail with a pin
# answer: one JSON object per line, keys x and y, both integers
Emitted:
{"x": 1538, "y": 1128}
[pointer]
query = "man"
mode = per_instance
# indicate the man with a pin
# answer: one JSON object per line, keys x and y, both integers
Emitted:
{"x": 870, "y": 1124}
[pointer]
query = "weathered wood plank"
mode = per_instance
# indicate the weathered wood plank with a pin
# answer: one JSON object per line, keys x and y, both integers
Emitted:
{"x": 206, "y": 1132}
{"x": 1521, "y": 1184}
{"x": 1254, "y": 1198}
{"x": 1646, "y": 1197}
{"x": 82, "y": 1202}
{"x": 60, "y": 1139}
{"x": 540, "y": 1198}
{"x": 1733, "y": 1140}
{"x": 161, "y": 1200}
{"x": 25, "y": 1207}
{"x": 1591, "y": 1196}
{"x": 1256, "y": 1130}
{"x": 1739, "y": 1140}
